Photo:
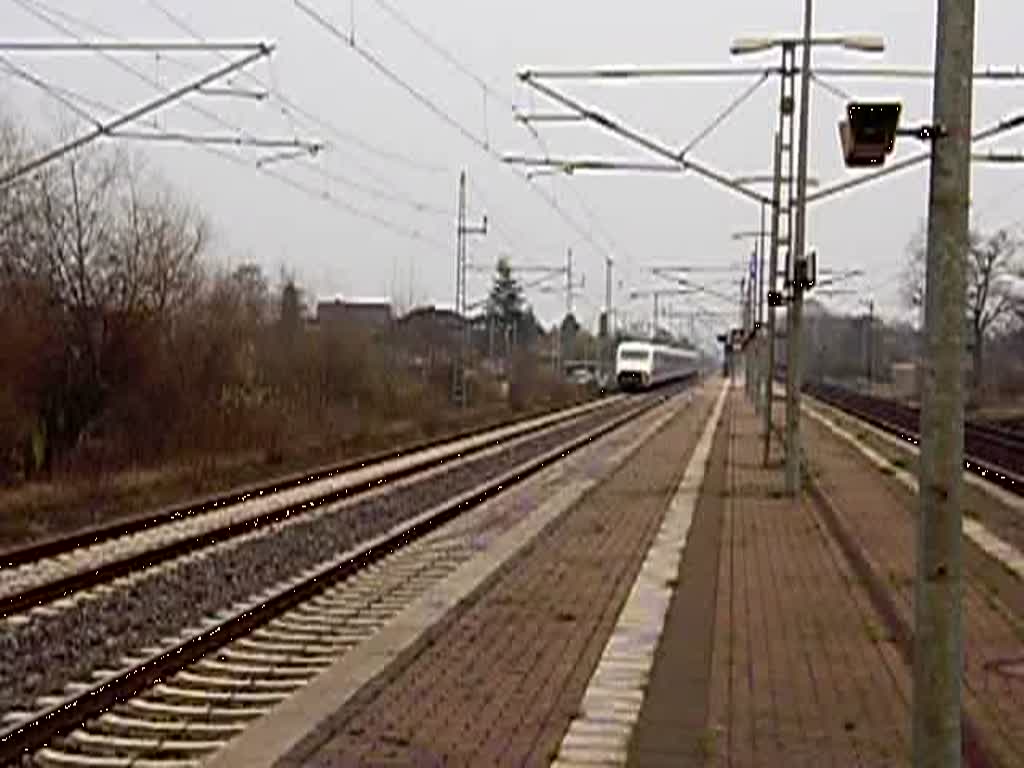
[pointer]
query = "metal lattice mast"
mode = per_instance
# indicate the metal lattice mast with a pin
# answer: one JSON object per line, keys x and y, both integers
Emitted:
{"x": 795, "y": 310}
{"x": 459, "y": 394}
{"x": 458, "y": 378}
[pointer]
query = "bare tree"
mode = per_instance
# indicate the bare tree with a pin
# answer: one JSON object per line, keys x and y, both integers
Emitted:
{"x": 992, "y": 263}
{"x": 110, "y": 257}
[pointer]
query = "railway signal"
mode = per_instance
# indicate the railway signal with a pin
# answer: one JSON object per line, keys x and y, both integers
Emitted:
{"x": 805, "y": 271}
{"x": 869, "y": 133}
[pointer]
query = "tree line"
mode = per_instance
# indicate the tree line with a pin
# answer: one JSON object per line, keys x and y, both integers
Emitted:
{"x": 123, "y": 341}
{"x": 994, "y": 301}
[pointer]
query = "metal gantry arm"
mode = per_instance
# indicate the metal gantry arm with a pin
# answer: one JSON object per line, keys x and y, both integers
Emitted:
{"x": 672, "y": 274}
{"x": 310, "y": 147}
{"x": 87, "y": 46}
{"x": 107, "y": 128}
{"x": 571, "y": 165}
{"x": 1003, "y": 126}
{"x": 638, "y": 138}
{"x": 462, "y": 230}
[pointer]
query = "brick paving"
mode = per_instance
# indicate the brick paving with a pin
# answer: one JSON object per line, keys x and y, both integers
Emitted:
{"x": 800, "y": 673}
{"x": 880, "y": 515}
{"x": 500, "y": 684}
{"x": 603, "y": 730}
{"x": 1000, "y": 511}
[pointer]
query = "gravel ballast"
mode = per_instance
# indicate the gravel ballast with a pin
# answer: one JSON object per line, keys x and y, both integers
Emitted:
{"x": 42, "y": 651}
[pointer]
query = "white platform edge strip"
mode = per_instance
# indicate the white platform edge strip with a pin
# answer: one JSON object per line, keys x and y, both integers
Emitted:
{"x": 614, "y": 695}
{"x": 995, "y": 547}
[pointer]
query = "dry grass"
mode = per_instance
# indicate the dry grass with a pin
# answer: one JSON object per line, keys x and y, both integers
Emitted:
{"x": 75, "y": 501}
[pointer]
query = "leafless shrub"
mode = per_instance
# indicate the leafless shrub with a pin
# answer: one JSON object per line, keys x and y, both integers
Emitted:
{"x": 121, "y": 348}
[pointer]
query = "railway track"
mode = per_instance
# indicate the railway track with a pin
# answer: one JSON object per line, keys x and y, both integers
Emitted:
{"x": 995, "y": 454}
{"x": 173, "y": 701}
{"x": 40, "y": 573}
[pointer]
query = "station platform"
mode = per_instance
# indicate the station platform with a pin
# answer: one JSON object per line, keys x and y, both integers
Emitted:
{"x": 684, "y": 611}
{"x": 789, "y": 638}
{"x": 770, "y": 653}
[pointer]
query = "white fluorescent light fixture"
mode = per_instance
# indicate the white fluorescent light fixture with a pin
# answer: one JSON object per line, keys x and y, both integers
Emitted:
{"x": 869, "y": 43}
{"x": 752, "y": 44}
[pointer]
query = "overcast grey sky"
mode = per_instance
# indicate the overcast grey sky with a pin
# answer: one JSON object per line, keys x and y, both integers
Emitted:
{"x": 642, "y": 220}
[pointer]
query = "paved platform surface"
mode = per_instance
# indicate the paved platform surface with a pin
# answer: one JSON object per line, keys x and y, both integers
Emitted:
{"x": 879, "y": 512}
{"x": 773, "y": 654}
{"x": 499, "y": 685}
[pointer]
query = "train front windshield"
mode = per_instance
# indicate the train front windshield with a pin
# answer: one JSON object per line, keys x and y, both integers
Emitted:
{"x": 634, "y": 354}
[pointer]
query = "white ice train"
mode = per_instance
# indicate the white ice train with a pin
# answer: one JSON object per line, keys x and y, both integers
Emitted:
{"x": 641, "y": 364}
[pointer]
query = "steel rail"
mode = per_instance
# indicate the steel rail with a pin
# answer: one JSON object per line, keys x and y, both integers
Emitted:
{"x": 65, "y": 586}
{"x": 59, "y": 545}
{"x": 995, "y": 455}
{"x": 76, "y": 709}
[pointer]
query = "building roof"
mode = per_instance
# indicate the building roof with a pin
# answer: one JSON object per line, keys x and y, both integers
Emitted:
{"x": 363, "y": 312}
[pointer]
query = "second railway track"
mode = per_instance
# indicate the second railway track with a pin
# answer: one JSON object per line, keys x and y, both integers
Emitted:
{"x": 66, "y": 566}
{"x": 107, "y": 677}
{"x": 995, "y": 454}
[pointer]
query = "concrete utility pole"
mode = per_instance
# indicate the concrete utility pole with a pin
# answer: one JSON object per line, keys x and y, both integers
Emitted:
{"x": 563, "y": 351}
{"x": 759, "y": 314}
{"x": 654, "y": 320}
{"x": 794, "y": 314}
{"x": 607, "y": 357}
{"x": 773, "y": 267}
{"x": 748, "y": 323}
{"x": 568, "y": 283}
{"x": 752, "y": 313}
{"x": 938, "y": 638}
{"x": 744, "y": 317}
{"x": 459, "y": 394}
{"x": 871, "y": 344}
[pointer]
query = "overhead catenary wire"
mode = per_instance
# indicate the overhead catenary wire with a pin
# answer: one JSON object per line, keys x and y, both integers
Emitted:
{"x": 387, "y": 72}
{"x": 413, "y": 234}
{"x": 55, "y": 92}
{"x": 318, "y": 121}
{"x": 45, "y": 13}
{"x": 616, "y": 127}
{"x": 260, "y": 167}
{"x": 407, "y": 202}
{"x": 831, "y": 88}
{"x": 724, "y": 114}
{"x": 107, "y": 127}
{"x": 440, "y": 50}
{"x": 425, "y": 101}
{"x": 700, "y": 288}
{"x": 487, "y": 88}
{"x": 142, "y": 76}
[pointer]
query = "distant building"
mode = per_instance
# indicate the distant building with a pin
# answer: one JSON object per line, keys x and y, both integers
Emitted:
{"x": 430, "y": 335}
{"x": 431, "y": 322}
{"x": 375, "y": 316}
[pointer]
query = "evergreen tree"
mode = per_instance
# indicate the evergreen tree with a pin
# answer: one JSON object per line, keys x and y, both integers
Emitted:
{"x": 291, "y": 309}
{"x": 505, "y": 303}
